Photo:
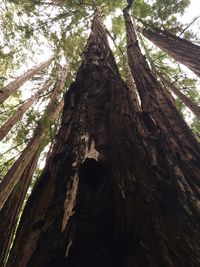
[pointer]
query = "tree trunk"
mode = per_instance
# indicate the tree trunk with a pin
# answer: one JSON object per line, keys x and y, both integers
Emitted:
{"x": 7, "y": 126}
{"x": 175, "y": 156}
{"x": 12, "y": 87}
{"x": 109, "y": 194}
{"x": 186, "y": 100}
{"x": 13, "y": 175}
{"x": 180, "y": 49}
{"x": 10, "y": 213}
{"x": 11, "y": 210}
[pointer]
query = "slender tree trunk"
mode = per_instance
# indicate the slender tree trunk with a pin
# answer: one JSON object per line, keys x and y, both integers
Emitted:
{"x": 186, "y": 100}
{"x": 10, "y": 213}
{"x": 180, "y": 49}
{"x": 12, "y": 87}
{"x": 7, "y": 126}
{"x": 12, "y": 177}
{"x": 174, "y": 149}
{"x": 109, "y": 194}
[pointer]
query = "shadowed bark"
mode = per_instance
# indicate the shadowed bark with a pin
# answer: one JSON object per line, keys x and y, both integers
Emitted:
{"x": 113, "y": 193}
{"x": 180, "y": 49}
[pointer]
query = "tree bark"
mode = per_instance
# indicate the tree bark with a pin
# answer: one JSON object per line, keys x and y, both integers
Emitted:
{"x": 186, "y": 100}
{"x": 180, "y": 49}
{"x": 12, "y": 87}
{"x": 113, "y": 193}
{"x": 7, "y": 126}
{"x": 173, "y": 153}
{"x": 132, "y": 87}
{"x": 11, "y": 210}
{"x": 10, "y": 213}
{"x": 13, "y": 175}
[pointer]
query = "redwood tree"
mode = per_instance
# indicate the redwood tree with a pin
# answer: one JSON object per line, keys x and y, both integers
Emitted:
{"x": 182, "y": 50}
{"x": 119, "y": 189}
{"x": 12, "y": 87}
{"x": 185, "y": 99}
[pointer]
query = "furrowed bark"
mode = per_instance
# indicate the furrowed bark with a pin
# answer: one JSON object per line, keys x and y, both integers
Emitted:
{"x": 12, "y": 87}
{"x": 180, "y": 49}
{"x": 12, "y": 177}
{"x": 133, "y": 206}
{"x": 7, "y": 126}
{"x": 186, "y": 100}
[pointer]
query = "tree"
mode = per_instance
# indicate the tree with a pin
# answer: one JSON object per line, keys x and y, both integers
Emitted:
{"x": 180, "y": 49}
{"x": 10, "y": 88}
{"x": 11, "y": 211}
{"x": 120, "y": 187}
{"x": 186, "y": 100}
{"x": 5, "y": 128}
{"x": 13, "y": 175}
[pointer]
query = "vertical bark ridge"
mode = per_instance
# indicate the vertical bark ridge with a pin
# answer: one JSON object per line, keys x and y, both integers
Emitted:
{"x": 132, "y": 87}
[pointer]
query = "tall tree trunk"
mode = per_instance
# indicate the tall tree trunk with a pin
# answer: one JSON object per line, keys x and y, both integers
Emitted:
{"x": 107, "y": 196}
{"x": 175, "y": 157}
{"x": 10, "y": 213}
{"x": 180, "y": 49}
{"x": 12, "y": 177}
{"x": 7, "y": 126}
{"x": 186, "y": 100}
{"x": 12, "y": 87}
